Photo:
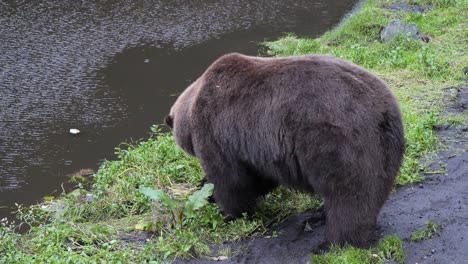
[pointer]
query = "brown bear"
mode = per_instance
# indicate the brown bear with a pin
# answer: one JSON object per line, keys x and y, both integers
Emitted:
{"x": 312, "y": 123}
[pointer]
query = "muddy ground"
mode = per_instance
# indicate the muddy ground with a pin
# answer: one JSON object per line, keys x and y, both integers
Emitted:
{"x": 442, "y": 197}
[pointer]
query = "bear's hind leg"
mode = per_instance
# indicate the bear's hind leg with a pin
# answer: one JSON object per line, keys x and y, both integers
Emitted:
{"x": 350, "y": 218}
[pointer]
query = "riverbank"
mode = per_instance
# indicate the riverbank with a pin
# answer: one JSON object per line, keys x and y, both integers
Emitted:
{"x": 119, "y": 221}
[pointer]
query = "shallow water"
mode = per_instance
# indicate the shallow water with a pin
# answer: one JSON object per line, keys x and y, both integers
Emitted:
{"x": 112, "y": 69}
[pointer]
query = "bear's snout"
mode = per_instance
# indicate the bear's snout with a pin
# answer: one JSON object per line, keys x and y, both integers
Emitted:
{"x": 169, "y": 121}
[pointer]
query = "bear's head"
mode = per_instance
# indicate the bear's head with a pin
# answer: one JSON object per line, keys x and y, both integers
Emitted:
{"x": 179, "y": 118}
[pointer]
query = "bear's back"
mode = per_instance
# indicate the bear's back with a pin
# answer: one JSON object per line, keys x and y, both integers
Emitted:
{"x": 268, "y": 110}
{"x": 303, "y": 90}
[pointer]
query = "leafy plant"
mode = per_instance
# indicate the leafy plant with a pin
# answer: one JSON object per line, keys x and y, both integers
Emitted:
{"x": 197, "y": 200}
{"x": 180, "y": 212}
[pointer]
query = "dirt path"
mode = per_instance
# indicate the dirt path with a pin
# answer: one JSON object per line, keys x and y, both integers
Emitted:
{"x": 442, "y": 198}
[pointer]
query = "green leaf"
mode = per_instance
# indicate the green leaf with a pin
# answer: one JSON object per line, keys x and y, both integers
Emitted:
{"x": 198, "y": 199}
{"x": 144, "y": 225}
{"x": 165, "y": 199}
{"x": 186, "y": 248}
{"x": 167, "y": 254}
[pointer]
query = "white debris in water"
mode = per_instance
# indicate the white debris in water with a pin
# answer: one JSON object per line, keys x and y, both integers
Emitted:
{"x": 74, "y": 131}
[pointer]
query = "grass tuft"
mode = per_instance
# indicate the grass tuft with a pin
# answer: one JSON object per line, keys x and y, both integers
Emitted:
{"x": 432, "y": 228}
{"x": 388, "y": 249}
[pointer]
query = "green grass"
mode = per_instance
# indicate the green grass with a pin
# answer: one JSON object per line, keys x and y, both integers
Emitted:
{"x": 116, "y": 223}
{"x": 388, "y": 249}
{"x": 432, "y": 228}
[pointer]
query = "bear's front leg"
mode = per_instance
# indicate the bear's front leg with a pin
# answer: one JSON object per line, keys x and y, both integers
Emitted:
{"x": 235, "y": 189}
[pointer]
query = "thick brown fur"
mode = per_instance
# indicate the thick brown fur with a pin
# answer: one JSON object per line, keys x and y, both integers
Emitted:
{"x": 312, "y": 123}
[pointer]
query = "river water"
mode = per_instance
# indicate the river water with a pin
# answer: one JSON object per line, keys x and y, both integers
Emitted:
{"x": 112, "y": 69}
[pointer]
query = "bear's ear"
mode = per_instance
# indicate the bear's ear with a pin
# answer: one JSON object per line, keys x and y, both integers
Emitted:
{"x": 169, "y": 121}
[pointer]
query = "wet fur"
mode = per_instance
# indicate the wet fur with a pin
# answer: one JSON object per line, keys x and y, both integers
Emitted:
{"x": 312, "y": 123}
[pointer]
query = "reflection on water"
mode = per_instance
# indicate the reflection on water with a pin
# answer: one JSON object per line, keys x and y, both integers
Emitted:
{"x": 111, "y": 69}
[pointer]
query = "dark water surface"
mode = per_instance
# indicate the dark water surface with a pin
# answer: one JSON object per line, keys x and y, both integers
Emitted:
{"x": 112, "y": 69}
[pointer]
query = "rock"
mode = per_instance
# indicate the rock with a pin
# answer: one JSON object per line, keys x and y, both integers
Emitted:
{"x": 398, "y": 27}
{"x": 219, "y": 258}
{"x": 463, "y": 98}
{"x": 460, "y": 102}
{"x": 408, "y": 8}
{"x": 88, "y": 197}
